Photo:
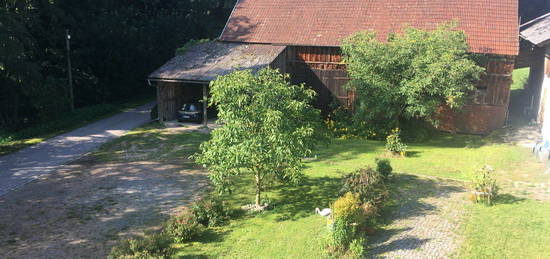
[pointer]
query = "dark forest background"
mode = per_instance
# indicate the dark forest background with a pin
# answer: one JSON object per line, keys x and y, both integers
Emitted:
{"x": 114, "y": 46}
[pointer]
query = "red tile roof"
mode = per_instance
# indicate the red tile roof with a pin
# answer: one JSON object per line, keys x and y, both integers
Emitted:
{"x": 490, "y": 25}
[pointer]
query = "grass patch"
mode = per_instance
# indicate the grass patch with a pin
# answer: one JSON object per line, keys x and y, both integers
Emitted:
{"x": 519, "y": 78}
{"x": 152, "y": 142}
{"x": 11, "y": 141}
{"x": 293, "y": 229}
{"x": 514, "y": 228}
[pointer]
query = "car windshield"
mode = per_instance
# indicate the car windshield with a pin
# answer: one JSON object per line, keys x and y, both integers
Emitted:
{"x": 190, "y": 107}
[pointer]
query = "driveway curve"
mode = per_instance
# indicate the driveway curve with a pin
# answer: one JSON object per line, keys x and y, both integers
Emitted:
{"x": 29, "y": 164}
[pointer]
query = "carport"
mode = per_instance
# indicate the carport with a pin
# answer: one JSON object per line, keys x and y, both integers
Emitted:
{"x": 187, "y": 76}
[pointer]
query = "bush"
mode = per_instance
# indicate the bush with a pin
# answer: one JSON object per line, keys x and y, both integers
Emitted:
{"x": 383, "y": 167}
{"x": 348, "y": 207}
{"x": 210, "y": 212}
{"x": 484, "y": 184}
{"x": 356, "y": 248}
{"x": 150, "y": 246}
{"x": 394, "y": 144}
{"x": 343, "y": 232}
{"x": 368, "y": 184}
{"x": 348, "y": 221}
{"x": 183, "y": 227}
{"x": 340, "y": 123}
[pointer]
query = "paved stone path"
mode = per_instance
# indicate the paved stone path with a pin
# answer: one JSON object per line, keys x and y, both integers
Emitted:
{"x": 32, "y": 162}
{"x": 426, "y": 223}
{"x": 525, "y": 135}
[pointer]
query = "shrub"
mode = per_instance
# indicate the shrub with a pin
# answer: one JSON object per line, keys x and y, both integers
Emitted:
{"x": 348, "y": 221}
{"x": 484, "y": 185}
{"x": 356, "y": 248}
{"x": 340, "y": 123}
{"x": 368, "y": 184}
{"x": 150, "y": 246}
{"x": 182, "y": 227}
{"x": 348, "y": 207}
{"x": 394, "y": 144}
{"x": 210, "y": 212}
{"x": 343, "y": 232}
{"x": 383, "y": 167}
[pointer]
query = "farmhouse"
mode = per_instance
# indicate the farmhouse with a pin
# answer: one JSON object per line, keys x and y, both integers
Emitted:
{"x": 302, "y": 38}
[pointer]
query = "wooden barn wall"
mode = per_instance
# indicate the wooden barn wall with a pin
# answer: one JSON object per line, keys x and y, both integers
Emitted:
{"x": 322, "y": 69}
{"x": 168, "y": 100}
{"x": 280, "y": 62}
{"x": 487, "y": 108}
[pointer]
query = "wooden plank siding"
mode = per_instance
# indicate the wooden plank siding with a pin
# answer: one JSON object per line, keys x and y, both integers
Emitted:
{"x": 168, "y": 100}
{"x": 172, "y": 95}
{"x": 487, "y": 108}
{"x": 322, "y": 69}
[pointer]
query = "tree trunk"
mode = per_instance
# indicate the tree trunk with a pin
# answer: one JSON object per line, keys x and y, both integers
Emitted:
{"x": 258, "y": 185}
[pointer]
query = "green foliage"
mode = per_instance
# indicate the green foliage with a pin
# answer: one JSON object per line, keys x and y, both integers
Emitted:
{"x": 343, "y": 232}
{"x": 347, "y": 228}
{"x": 383, "y": 166}
{"x": 356, "y": 248}
{"x": 210, "y": 211}
{"x": 484, "y": 185}
{"x": 520, "y": 78}
{"x": 348, "y": 208}
{"x": 394, "y": 143}
{"x": 341, "y": 124}
{"x": 410, "y": 75}
{"x": 183, "y": 227}
{"x": 189, "y": 44}
{"x": 368, "y": 184}
{"x": 148, "y": 247}
{"x": 114, "y": 46}
{"x": 269, "y": 126}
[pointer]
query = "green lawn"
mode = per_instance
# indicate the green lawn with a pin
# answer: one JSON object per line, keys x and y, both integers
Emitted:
{"x": 11, "y": 141}
{"x": 292, "y": 229}
{"x": 519, "y": 78}
{"x": 514, "y": 228}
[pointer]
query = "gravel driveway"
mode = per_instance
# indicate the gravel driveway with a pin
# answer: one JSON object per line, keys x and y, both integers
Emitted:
{"x": 32, "y": 162}
{"x": 80, "y": 210}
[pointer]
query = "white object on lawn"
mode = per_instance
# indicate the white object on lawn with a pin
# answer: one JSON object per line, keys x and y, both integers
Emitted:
{"x": 325, "y": 212}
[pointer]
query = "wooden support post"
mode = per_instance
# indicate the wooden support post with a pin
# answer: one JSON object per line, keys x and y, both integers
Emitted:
{"x": 204, "y": 105}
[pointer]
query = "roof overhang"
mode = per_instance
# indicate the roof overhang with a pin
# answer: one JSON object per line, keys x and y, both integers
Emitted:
{"x": 204, "y": 62}
{"x": 537, "y": 31}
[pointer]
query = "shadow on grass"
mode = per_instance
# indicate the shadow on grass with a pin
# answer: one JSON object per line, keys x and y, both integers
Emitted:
{"x": 507, "y": 199}
{"x": 301, "y": 200}
{"x": 213, "y": 235}
{"x": 339, "y": 150}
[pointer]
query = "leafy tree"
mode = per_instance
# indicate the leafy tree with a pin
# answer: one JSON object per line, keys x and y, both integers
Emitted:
{"x": 268, "y": 127}
{"x": 410, "y": 75}
{"x": 114, "y": 46}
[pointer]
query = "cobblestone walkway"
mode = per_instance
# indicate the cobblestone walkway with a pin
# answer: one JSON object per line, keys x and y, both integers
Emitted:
{"x": 426, "y": 222}
{"x": 525, "y": 135}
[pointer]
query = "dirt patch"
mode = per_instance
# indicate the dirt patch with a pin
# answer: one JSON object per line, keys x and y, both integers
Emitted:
{"x": 82, "y": 209}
